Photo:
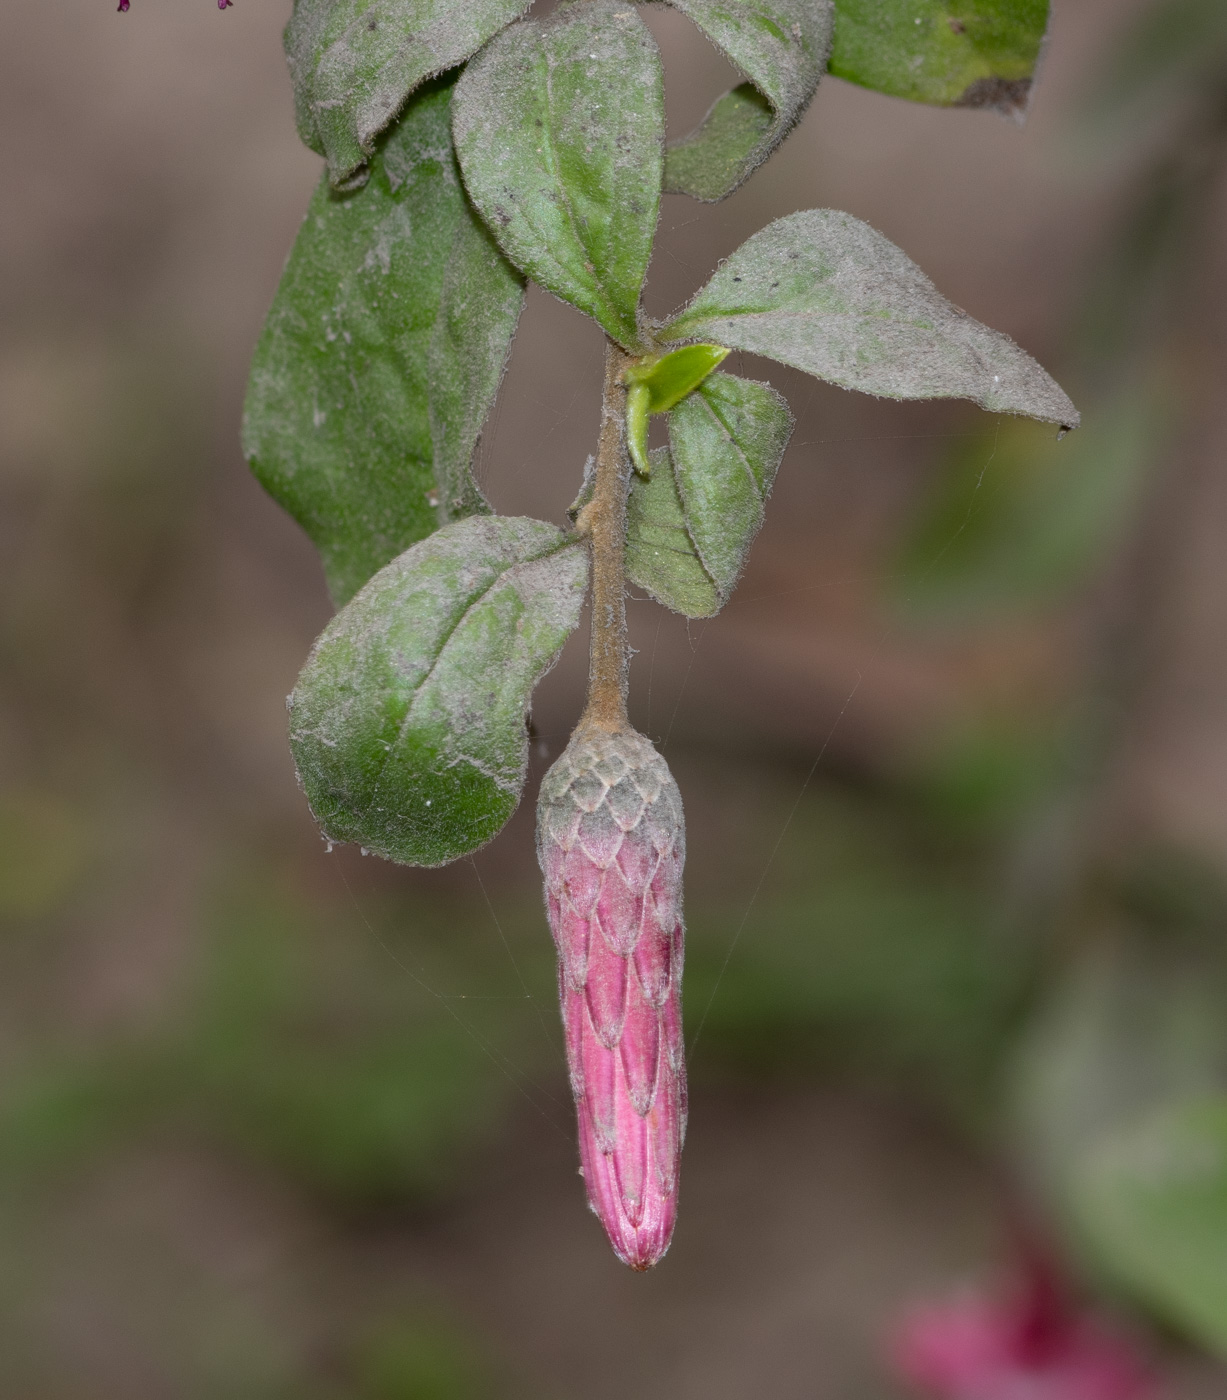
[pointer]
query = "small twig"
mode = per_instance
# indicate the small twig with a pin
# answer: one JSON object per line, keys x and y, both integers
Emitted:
{"x": 603, "y": 520}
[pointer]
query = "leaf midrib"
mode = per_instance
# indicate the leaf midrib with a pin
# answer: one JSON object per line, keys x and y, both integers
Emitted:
{"x": 417, "y": 690}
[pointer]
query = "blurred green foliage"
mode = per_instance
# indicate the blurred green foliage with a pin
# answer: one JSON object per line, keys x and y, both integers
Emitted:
{"x": 425, "y": 1358}
{"x": 1018, "y": 520}
{"x": 295, "y": 1046}
{"x": 1152, "y": 1201}
{"x": 873, "y": 952}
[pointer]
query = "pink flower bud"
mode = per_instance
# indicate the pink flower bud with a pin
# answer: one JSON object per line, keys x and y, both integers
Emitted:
{"x": 611, "y": 843}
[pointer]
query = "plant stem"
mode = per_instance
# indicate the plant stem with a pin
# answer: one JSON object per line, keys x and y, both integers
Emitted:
{"x": 603, "y": 520}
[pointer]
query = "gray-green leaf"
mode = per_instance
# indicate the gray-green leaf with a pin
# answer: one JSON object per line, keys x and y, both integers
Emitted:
{"x": 727, "y": 440}
{"x": 559, "y": 126}
{"x": 782, "y": 47}
{"x": 407, "y": 723}
{"x": 827, "y": 294}
{"x": 382, "y": 355}
{"x": 661, "y": 557}
{"x": 962, "y": 53}
{"x": 354, "y": 63}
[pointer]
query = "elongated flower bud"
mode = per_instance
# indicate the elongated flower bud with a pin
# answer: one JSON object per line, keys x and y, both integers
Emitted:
{"x": 611, "y": 843}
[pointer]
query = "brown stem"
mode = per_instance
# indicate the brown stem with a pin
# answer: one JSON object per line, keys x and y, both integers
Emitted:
{"x": 603, "y": 520}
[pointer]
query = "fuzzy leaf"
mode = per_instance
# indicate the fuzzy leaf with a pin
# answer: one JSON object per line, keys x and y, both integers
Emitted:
{"x": 1152, "y": 1202}
{"x": 661, "y": 557}
{"x": 559, "y": 126}
{"x": 382, "y": 355}
{"x": 407, "y": 723}
{"x": 354, "y": 64}
{"x": 782, "y": 47}
{"x": 960, "y": 53}
{"x": 825, "y": 293}
{"x": 727, "y": 440}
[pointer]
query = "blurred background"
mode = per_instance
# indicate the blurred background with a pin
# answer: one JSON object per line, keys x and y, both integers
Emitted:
{"x": 277, "y": 1122}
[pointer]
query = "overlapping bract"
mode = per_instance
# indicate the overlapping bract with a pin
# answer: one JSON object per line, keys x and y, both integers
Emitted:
{"x": 611, "y": 842}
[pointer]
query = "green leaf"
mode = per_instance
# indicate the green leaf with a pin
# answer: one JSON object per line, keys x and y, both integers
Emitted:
{"x": 658, "y": 382}
{"x": 727, "y": 440}
{"x": 661, "y": 557}
{"x": 382, "y": 355}
{"x": 825, "y": 293}
{"x": 354, "y": 64}
{"x": 782, "y": 47}
{"x": 953, "y": 53}
{"x": 559, "y": 125}
{"x": 407, "y": 723}
{"x": 1152, "y": 1201}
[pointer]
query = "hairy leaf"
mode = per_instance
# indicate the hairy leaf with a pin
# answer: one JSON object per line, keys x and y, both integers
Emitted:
{"x": 782, "y": 47}
{"x": 961, "y": 53}
{"x": 355, "y": 62}
{"x": 727, "y": 440}
{"x": 382, "y": 355}
{"x": 559, "y": 125}
{"x": 407, "y": 723}
{"x": 825, "y": 293}
{"x": 661, "y": 557}
{"x": 1152, "y": 1201}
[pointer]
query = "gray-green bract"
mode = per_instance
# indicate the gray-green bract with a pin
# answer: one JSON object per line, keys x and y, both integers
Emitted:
{"x": 407, "y": 723}
{"x": 827, "y": 294}
{"x": 560, "y": 128}
{"x": 354, "y": 64}
{"x": 382, "y": 354}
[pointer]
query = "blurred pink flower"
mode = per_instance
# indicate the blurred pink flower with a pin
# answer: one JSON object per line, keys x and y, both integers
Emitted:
{"x": 1035, "y": 1345}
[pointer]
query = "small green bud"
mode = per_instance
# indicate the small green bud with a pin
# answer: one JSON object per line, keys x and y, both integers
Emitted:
{"x": 656, "y": 384}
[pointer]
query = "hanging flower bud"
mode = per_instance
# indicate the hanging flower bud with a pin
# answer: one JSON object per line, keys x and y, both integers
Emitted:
{"x": 611, "y": 843}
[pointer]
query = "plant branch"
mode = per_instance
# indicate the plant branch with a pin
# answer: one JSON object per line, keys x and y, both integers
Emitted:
{"x": 603, "y": 520}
